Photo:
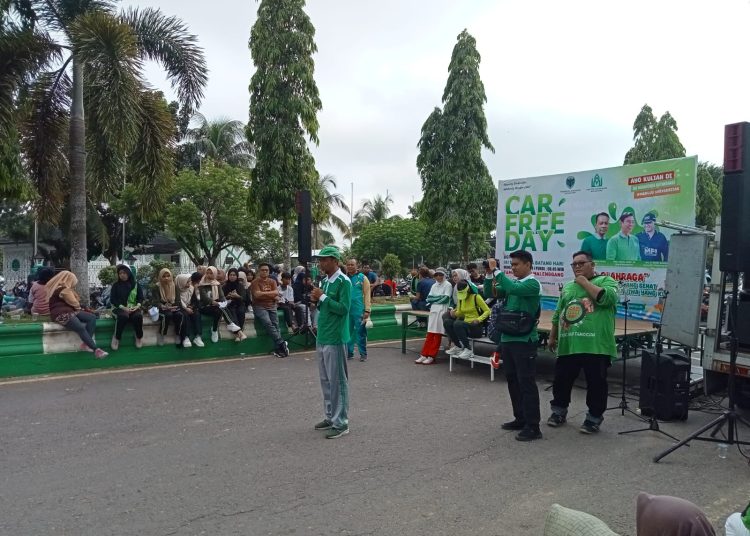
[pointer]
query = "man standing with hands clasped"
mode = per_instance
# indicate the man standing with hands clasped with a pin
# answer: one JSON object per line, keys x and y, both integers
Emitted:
{"x": 519, "y": 351}
{"x": 333, "y": 299}
{"x": 359, "y": 312}
{"x": 583, "y": 333}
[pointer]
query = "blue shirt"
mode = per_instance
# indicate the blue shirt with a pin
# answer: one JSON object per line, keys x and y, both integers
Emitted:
{"x": 424, "y": 286}
{"x": 655, "y": 248}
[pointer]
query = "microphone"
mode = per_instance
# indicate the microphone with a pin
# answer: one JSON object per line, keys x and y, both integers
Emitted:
{"x": 623, "y": 293}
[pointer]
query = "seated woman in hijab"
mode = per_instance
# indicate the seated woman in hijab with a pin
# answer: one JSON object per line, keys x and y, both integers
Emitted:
{"x": 213, "y": 303}
{"x": 38, "y": 292}
{"x": 188, "y": 299}
{"x": 662, "y": 515}
{"x": 65, "y": 309}
{"x": 126, "y": 298}
{"x": 170, "y": 311}
{"x": 235, "y": 292}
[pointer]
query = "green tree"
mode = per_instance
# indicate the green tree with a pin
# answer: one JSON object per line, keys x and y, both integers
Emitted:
{"x": 708, "y": 194}
{"x": 402, "y": 237}
{"x": 208, "y": 212}
{"x": 222, "y": 140}
{"x": 654, "y": 140}
{"x": 83, "y": 55}
{"x": 284, "y": 102}
{"x": 324, "y": 200}
{"x": 658, "y": 140}
{"x": 391, "y": 265}
{"x": 458, "y": 192}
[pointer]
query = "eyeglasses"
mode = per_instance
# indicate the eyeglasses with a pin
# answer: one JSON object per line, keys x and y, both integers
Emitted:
{"x": 579, "y": 264}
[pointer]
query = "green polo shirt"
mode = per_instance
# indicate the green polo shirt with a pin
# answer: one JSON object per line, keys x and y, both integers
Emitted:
{"x": 623, "y": 248}
{"x": 595, "y": 246}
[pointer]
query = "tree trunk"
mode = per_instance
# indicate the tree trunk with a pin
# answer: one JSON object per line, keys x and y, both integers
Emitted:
{"x": 78, "y": 254}
{"x": 465, "y": 247}
{"x": 286, "y": 239}
{"x": 316, "y": 245}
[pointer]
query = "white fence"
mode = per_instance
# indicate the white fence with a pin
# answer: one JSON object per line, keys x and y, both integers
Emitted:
{"x": 95, "y": 266}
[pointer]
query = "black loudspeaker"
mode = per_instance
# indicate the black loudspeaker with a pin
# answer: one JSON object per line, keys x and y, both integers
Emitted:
{"x": 735, "y": 204}
{"x": 665, "y": 386}
{"x": 304, "y": 227}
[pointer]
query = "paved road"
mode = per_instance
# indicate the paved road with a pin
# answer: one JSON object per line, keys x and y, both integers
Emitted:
{"x": 228, "y": 448}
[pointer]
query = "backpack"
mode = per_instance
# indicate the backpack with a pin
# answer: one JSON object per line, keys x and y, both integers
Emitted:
{"x": 493, "y": 327}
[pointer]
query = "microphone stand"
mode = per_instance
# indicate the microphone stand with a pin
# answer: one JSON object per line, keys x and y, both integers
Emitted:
{"x": 653, "y": 423}
{"x": 623, "y": 405}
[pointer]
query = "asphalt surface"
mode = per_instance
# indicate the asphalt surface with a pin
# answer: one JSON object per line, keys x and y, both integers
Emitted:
{"x": 228, "y": 448}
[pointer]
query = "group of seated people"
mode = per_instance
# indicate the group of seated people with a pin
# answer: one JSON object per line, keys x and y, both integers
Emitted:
{"x": 458, "y": 307}
{"x": 183, "y": 301}
{"x": 655, "y": 515}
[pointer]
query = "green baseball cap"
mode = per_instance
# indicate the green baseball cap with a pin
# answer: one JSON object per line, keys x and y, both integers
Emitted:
{"x": 330, "y": 251}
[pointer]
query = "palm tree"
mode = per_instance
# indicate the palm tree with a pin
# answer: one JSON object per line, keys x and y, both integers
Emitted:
{"x": 323, "y": 203}
{"x": 375, "y": 210}
{"x": 73, "y": 56}
{"x": 372, "y": 210}
{"x": 221, "y": 139}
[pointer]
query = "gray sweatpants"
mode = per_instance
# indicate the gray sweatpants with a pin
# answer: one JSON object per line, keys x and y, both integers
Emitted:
{"x": 334, "y": 382}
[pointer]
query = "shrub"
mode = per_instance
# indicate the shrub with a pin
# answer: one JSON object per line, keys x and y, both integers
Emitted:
{"x": 108, "y": 275}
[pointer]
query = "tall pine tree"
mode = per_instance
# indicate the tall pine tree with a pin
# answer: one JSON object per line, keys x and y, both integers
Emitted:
{"x": 458, "y": 191}
{"x": 284, "y": 102}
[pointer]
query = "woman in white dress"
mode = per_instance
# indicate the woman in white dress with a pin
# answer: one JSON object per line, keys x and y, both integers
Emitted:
{"x": 439, "y": 300}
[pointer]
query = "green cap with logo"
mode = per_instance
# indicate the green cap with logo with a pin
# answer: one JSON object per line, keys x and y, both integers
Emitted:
{"x": 330, "y": 251}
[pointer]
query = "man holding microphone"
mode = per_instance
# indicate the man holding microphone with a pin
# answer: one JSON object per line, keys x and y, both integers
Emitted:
{"x": 583, "y": 333}
{"x": 333, "y": 298}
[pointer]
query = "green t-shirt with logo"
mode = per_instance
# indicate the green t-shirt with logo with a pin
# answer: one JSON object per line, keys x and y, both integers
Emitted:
{"x": 587, "y": 325}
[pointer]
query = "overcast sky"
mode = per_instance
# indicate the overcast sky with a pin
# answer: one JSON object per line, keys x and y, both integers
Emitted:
{"x": 564, "y": 79}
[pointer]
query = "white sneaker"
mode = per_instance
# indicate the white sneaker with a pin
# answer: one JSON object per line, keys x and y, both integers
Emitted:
{"x": 198, "y": 342}
{"x": 214, "y": 336}
{"x": 234, "y": 328}
{"x": 187, "y": 344}
{"x": 453, "y": 350}
{"x": 421, "y": 359}
{"x": 159, "y": 339}
{"x": 428, "y": 361}
{"x": 466, "y": 353}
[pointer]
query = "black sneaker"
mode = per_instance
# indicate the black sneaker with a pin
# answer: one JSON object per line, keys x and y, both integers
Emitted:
{"x": 325, "y": 424}
{"x": 556, "y": 420}
{"x": 589, "y": 427}
{"x": 529, "y": 434}
{"x": 337, "y": 432}
{"x": 515, "y": 424}
{"x": 278, "y": 353}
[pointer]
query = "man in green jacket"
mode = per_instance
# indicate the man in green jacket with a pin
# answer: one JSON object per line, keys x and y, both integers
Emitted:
{"x": 583, "y": 333}
{"x": 624, "y": 246}
{"x": 333, "y": 299}
{"x": 519, "y": 351}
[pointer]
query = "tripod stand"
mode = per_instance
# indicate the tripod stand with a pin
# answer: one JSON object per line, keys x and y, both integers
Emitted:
{"x": 653, "y": 423}
{"x": 623, "y": 405}
{"x": 729, "y": 417}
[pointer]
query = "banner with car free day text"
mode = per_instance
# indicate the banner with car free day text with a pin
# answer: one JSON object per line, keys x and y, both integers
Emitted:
{"x": 554, "y": 216}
